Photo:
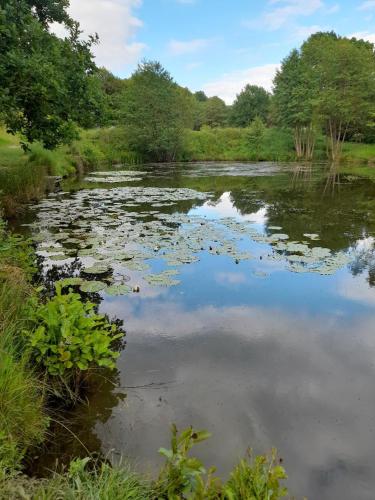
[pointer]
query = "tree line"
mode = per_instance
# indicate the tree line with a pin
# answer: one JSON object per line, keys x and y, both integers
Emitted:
{"x": 51, "y": 86}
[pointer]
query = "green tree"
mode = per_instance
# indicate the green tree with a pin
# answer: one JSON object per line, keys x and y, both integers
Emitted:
{"x": 343, "y": 73}
{"x": 200, "y": 96}
{"x": 156, "y": 112}
{"x": 255, "y": 136}
{"x": 293, "y": 103}
{"x": 253, "y": 101}
{"x": 215, "y": 112}
{"x": 46, "y": 82}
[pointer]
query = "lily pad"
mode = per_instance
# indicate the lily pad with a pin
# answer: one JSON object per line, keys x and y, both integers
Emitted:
{"x": 92, "y": 286}
{"x": 97, "y": 269}
{"x": 116, "y": 290}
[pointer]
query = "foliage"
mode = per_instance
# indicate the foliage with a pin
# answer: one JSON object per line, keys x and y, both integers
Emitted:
{"x": 183, "y": 476}
{"x": 22, "y": 420}
{"x": 85, "y": 480}
{"x": 293, "y": 108}
{"x": 232, "y": 144}
{"x": 343, "y": 72}
{"x": 70, "y": 337}
{"x": 328, "y": 83}
{"x": 257, "y": 479}
{"x": 21, "y": 406}
{"x": 215, "y": 112}
{"x": 255, "y": 135}
{"x": 156, "y": 112}
{"x": 251, "y": 103}
{"x": 46, "y": 81}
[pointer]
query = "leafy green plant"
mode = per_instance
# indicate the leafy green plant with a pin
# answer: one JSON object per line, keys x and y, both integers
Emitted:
{"x": 184, "y": 476}
{"x": 257, "y": 479}
{"x": 71, "y": 337}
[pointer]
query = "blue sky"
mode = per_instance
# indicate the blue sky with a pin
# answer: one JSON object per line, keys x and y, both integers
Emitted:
{"x": 215, "y": 45}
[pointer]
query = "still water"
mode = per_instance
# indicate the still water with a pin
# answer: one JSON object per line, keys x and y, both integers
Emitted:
{"x": 262, "y": 330}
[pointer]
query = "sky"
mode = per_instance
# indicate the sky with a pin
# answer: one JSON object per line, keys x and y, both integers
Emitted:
{"x": 217, "y": 46}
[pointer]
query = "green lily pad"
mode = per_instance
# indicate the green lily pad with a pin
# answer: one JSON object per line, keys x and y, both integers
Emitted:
{"x": 92, "y": 286}
{"x": 97, "y": 269}
{"x": 116, "y": 290}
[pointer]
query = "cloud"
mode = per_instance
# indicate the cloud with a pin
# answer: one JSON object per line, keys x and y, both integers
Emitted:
{"x": 303, "y": 32}
{"x": 230, "y": 84}
{"x": 285, "y": 12}
{"x": 365, "y": 35}
{"x": 116, "y": 25}
{"x": 368, "y": 5}
{"x": 178, "y": 48}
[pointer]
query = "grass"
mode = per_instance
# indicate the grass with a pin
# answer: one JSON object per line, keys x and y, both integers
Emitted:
{"x": 359, "y": 153}
{"x": 22, "y": 417}
{"x": 79, "y": 483}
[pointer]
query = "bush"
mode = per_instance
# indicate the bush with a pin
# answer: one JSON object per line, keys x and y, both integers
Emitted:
{"x": 70, "y": 337}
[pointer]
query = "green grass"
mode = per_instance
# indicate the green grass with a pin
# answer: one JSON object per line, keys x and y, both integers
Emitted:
{"x": 353, "y": 152}
{"x": 79, "y": 483}
{"x": 22, "y": 419}
{"x": 232, "y": 144}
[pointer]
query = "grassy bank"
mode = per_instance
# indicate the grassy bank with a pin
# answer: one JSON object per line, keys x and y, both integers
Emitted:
{"x": 24, "y": 176}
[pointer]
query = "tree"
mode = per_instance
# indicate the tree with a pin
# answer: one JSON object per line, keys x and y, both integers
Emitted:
{"x": 253, "y": 101}
{"x": 200, "y": 96}
{"x": 329, "y": 83}
{"x": 46, "y": 82}
{"x": 156, "y": 112}
{"x": 215, "y": 112}
{"x": 255, "y": 135}
{"x": 343, "y": 72}
{"x": 293, "y": 93}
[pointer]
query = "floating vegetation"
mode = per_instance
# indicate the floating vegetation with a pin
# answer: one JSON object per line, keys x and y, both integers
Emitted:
{"x": 115, "y": 290}
{"x": 123, "y": 230}
{"x": 92, "y": 286}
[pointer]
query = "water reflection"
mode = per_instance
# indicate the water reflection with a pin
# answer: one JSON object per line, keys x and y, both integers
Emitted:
{"x": 257, "y": 354}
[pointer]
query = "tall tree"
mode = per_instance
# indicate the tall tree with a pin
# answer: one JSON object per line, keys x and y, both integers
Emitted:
{"x": 293, "y": 101}
{"x": 215, "y": 112}
{"x": 46, "y": 82}
{"x": 156, "y": 112}
{"x": 253, "y": 101}
{"x": 343, "y": 72}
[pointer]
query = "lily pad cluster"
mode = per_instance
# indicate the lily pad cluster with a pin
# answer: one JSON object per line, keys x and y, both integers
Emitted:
{"x": 122, "y": 231}
{"x": 113, "y": 177}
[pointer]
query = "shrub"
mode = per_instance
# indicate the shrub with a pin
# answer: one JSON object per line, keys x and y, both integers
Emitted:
{"x": 70, "y": 337}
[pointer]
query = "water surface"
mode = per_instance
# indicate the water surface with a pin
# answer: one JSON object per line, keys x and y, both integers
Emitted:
{"x": 263, "y": 345}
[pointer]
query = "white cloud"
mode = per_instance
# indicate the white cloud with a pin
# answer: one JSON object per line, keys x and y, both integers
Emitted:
{"x": 286, "y": 11}
{"x": 303, "y": 32}
{"x": 368, "y": 5}
{"x": 230, "y": 84}
{"x": 178, "y": 48}
{"x": 116, "y": 25}
{"x": 365, "y": 35}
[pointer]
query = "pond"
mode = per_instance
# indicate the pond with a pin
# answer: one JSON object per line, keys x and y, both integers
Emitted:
{"x": 247, "y": 293}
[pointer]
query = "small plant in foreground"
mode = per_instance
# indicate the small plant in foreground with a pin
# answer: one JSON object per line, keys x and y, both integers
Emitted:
{"x": 184, "y": 477}
{"x": 70, "y": 337}
{"x": 257, "y": 479}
